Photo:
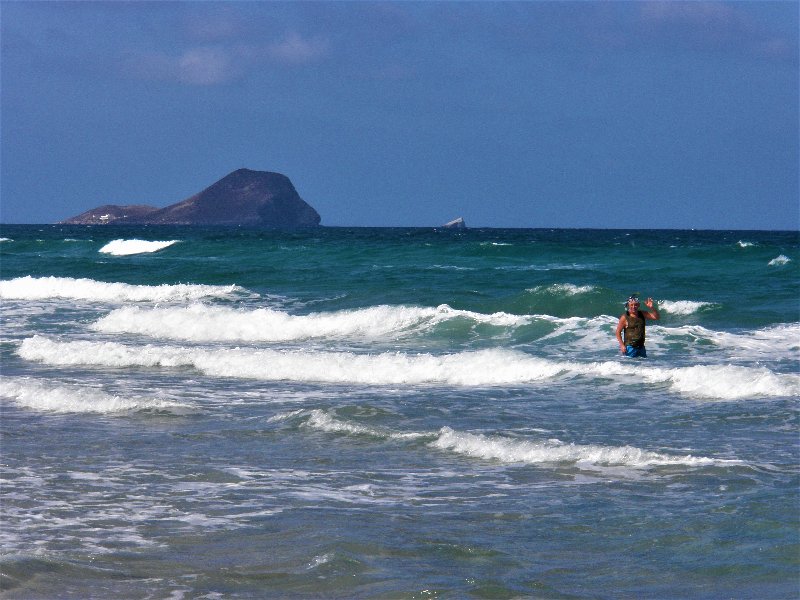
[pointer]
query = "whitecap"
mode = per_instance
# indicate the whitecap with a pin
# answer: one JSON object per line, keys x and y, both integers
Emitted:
{"x": 127, "y": 247}
{"x": 683, "y": 307}
{"x": 743, "y": 244}
{"x": 471, "y": 368}
{"x": 511, "y": 450}
{"x": 563, "y": 289}
{"x": 63, "y": 398}
{"x": 41, "y": 288}
{"x": 483, "y": 367}
{"x": 203, "y": 323}
{"x": 727, "y": 382}
{"x": 779, "y": 260}
{"x": 322, "y": 421}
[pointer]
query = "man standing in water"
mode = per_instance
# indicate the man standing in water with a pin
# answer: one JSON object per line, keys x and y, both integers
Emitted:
{"x": 631, "y": 324}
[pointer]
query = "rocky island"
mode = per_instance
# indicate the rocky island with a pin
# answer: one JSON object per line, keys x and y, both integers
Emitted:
{"x": 244, "y": 197}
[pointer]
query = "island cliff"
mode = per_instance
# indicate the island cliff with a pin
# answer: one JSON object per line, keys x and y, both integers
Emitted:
{"x": 244, "y": 197}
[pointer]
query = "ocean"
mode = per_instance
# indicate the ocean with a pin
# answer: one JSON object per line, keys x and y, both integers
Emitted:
{"x": 397, "y": 413}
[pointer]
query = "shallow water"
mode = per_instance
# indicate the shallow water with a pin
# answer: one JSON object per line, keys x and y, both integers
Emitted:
{"x": 397, "y": 413}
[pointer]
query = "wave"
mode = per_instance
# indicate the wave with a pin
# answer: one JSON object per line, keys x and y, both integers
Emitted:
{"x": 49, "y": 397}
{"x": 743, "y": 244}
{"x": 5, "y": 239}
{"x": 726, "y": 382}
{"x": 128, "y": 247}
{"x": 509, "y": 450}
{"x": 471, "y": 369}
{"x": 563, "y": 289}
{"x": 761, "y": 341}
{"x": 505, "y": 449}
{"x": 202, "y": 323}
{"x": 683, "y": 307}
{"x": 42, "y": 288}
{"x": 322, "y": 421}
{"x": 780, "y": 260}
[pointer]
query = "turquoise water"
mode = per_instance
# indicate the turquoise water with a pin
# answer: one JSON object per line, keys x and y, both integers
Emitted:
{"x": 384, "y": 413}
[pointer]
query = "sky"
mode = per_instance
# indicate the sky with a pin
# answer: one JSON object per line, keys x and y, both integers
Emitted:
{"x": 674, "y": 115}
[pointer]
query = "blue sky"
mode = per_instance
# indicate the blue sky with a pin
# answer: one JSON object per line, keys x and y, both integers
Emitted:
{"x": 510, "y": 114}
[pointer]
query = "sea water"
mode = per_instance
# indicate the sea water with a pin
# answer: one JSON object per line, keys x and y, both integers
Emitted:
{"x": 397, "y": 413}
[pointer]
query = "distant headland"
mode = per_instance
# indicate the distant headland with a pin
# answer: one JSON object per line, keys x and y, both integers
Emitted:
{"x": 244, "y": 197}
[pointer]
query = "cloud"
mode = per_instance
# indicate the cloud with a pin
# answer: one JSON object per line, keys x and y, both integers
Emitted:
{"x": 712, "y": 26}
{"x": 294, "y": 49}
{"x": 200, "y": 66}
{"x": 206, "y": 66}
{"x": 211, "y": 65}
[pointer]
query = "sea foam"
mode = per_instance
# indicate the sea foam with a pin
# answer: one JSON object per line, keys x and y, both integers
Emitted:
{"x": 128, "y": 247}
{"x": 683, "y": 307}
{"x": 472, "y": 368}
{"x": 563, "y": 289}
{"x": 63, "y": 398}
{"x": 508, "y": 450}
{"x": 779, "y": 260}
{"x": 42, "y": 288}
{"x": 202, "y": 323}
{"x": 727, "y": 382}
{"x": 512, "y": 450}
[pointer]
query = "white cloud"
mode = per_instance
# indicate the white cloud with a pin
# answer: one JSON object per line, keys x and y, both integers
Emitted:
{"x": 295, "y": 49}
{"x": 223, "y": 63}
{"x": 206, "y": 66}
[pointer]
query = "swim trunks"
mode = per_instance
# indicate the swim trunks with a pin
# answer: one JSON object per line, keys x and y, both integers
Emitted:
{"x": 635, "y": 352}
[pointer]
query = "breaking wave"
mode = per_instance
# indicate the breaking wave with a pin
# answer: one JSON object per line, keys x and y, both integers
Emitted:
{"x": 683, "y": 307}
{"x": 128, "y": 247}
{"x": 780, "y": 260}
{"x": 507, "y": 450}
{"x": 472, "y": 368}
{"x": 511, "y": 450}
{"x": 202, "y": 323}
{"x": 42, "y": 288}
{"x": 62, "y": 398}
{"x": 563, "y": 289}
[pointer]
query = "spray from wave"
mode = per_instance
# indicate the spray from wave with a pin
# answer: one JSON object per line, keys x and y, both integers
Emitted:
{"x": 129, "y": 247}
{"x": 683, "y": 307}
{"x": 779, "y": 261}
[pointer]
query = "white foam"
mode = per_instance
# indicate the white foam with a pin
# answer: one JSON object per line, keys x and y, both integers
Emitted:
{"x": 779, "y": 260}
{"x": 761, "y": 341}
{"x": 213, "y": 323}
{"x": 563, "y": 289}
{"x": 475, "y": 368}
{"x": 5, "y": 239}
{"x": 322, "y": 421}
{"x": 727, "y": 382}
{"x": 510, "y": 450}
{"x": 128, "y": 247}
{"x": 42, "y": 288}
{"x": 61, "y": 398}
{"x": 743, "y": 244}
{"x": 683, "y": 307}
{"x": 484, "y": 367}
